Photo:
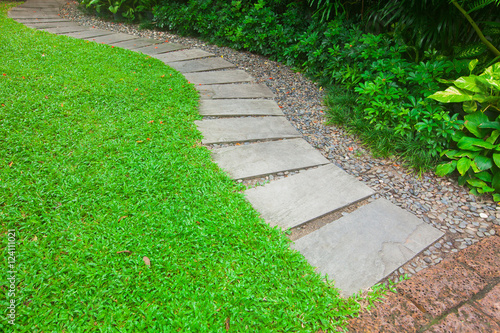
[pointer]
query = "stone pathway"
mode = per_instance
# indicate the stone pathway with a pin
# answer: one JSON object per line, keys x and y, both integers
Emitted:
{"x": 357, "y": 250}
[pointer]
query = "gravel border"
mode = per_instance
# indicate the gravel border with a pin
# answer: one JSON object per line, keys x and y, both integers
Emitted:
{"x": 441, "y": 202}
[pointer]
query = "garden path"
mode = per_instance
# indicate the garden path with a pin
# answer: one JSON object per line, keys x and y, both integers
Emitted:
{"x": 371, "y": 239}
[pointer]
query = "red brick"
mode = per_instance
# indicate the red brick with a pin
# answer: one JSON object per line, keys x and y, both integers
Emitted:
{"x": 395, "y": 314}
{"x": 490, "y": 304}
{"x": 439, "y": 288}
{"x": 468, "y": 319}
{"x": 483, "y": 257}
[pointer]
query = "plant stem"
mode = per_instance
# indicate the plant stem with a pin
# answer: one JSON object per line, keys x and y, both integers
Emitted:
{"x": 476, "y": 28}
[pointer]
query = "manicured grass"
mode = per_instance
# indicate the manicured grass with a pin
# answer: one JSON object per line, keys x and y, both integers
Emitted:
{"x": 100, "y": 166}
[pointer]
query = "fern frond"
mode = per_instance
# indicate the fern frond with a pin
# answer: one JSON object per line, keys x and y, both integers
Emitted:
{"x": 473, "y": 6}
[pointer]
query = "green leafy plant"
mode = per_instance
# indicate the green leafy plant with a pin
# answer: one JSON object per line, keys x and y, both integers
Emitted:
{"x": 477, "y": 153}
{"x": 128, "y": 9}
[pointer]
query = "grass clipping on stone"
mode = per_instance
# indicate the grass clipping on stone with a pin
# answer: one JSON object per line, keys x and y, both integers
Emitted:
{"x": 122, "y": 221}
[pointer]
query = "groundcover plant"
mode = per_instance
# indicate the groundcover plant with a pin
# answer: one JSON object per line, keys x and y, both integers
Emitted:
{"x": 113, "y": 216}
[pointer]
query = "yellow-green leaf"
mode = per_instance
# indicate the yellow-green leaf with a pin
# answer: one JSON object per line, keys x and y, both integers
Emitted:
{"x": 496, "y": 159}
{"x": 451, "y": 95}
{"x": 463, "y": 165}
{"x": 446, "y": 168}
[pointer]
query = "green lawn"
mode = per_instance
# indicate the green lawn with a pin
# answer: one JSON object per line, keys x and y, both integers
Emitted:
{"x": 100, "y": 166}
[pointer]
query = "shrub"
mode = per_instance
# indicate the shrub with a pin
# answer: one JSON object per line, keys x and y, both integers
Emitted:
{"x": 476, "y": 155}
{"x": 391, "y": 97}
{"x": 131, "y": 10}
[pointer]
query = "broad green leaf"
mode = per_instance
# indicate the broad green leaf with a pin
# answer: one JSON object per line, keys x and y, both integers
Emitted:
{"x": 463, "y": 165}
{"x": 472, "y": 122}
{"x": 472, "y": 64}
{"x": 485, "y": 189}
{"x": 451, "y": 95}
{"x": 481, "y": 98}
{"x": 468, "y": 143}
{"x": 475, "y": 168}
{"x": 470, "y": 154}
{"x": 468, "y": 83}
{"x": 496, "y": 197}
{"x": 492, "y": 70}
{"x": 490, "y": 124}
{"x": 493, "y": 137}
{"x": 483, "y": 162}
{"x": 457, "y": 136}
{"x": 496, "y": 159}
{"x": 485, "y": 176}
{"x": 449, "y": 153}
{"x": 476, "y": 182}
{"x": 446, "y": 168}
{"x": 484, "y": 84}
{"x": 495, "y": 182}
{"x": 469, "y": 106}
{"x": 494, "y": 84}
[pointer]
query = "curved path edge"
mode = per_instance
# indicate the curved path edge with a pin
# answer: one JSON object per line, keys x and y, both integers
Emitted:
{"x": 357, "y": 250}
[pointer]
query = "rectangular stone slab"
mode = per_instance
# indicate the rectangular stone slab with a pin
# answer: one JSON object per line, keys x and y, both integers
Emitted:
{"x": 239, "y": 107}
{"x": 27, "y": 14}
{"x": 51, "y": 24}
{"x": 160, "y": 48}
{"x": 292, "y": 201}
{"x": 182, "y": 55}
{"x": 135, "y": 43}
{"x": 363, "y": 247}
{"x": 38, "y": 20}
{"x": 200, "y": 65}
{"x": 113, "y": 38}
{"x": 30, "y": 5}
{"x": 223, "y": 91}
{"x": 91, "y": 33}
{"x": 65, "y": 29}
{"x": 245, "y": 129}
{"x": 257, "y": 159}
{"x": 218, "y": 77}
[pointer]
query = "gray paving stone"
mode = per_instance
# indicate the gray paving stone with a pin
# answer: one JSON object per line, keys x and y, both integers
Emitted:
{"x": 183, "y": 55}
{"x": 42, "y": 4}
{"x": 200, "y": 65}
{"x": 223, "y": 91}
{"x": 31, "y": 20}
{"x": 30, "y": 5}
{"x": 247, "y": 161}
{"x": 52, "y": 24}
{"x": 218, "y": 77}
{"x": 245, "y": 129}
{"x": 28, "y": 14}
{"x": 35, "y": 11}
{"x": 297, "y": 199}
{"x": 160, "y": 48}
{"x": 363, "y": 247}
{"x": 65, "y": 29}
{"x": 239, "y": 107}
{"x": 91, "y": 33}
{"x": 135, "y": 44}
{"x": 113, "y": 38}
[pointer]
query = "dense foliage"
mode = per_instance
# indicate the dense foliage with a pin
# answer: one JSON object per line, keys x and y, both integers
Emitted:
{"x": 120, "y": 9}
{"x": 379, "y": 60}
{"x": 477, "y": 153}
